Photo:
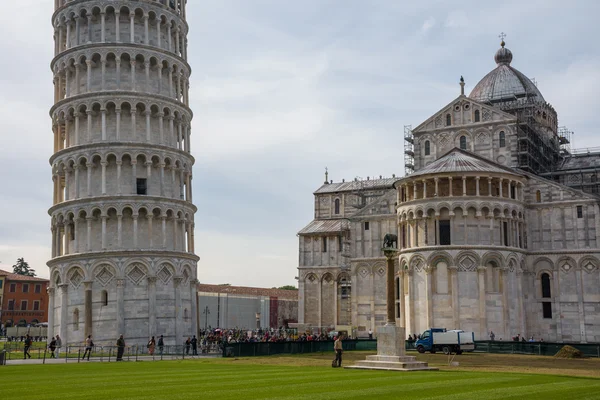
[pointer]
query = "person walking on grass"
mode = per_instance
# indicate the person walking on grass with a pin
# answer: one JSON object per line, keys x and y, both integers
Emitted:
{"x": 194, "y": 346}
{"x": 58, "y": 346}
{"x": 27, "y": 346}
{"x": 88, "y": 347}
{"x": 52, "y": 347}
{"x": 151, "y": 346}
{"x": 188, "y": 342}
{"x": 337, "y": 347}
{"x": 161, "y": 345}
{"x": 120, "y": 348}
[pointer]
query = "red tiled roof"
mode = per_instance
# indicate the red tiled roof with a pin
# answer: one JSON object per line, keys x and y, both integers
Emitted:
{"x": 279, "y": 293}
{"x": 23, "y": 278}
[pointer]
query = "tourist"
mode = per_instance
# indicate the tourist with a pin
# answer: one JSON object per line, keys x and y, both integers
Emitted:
{"x": 337, "y": 347}
{"x": 188, "y": 342}
{"x": 120, "y": 348}
{"x": 88, "y": 347}
{"x": 492, "y": 336}
{"x": 370, "y": 334}
{"x": 161, "y": 344}
{"x": 58, "y": 345}
{"x": 52, "y": 347}
{"x": 26, "y": 347}
{"x": 151, "y": 344}
{"x": 194, "y": 346}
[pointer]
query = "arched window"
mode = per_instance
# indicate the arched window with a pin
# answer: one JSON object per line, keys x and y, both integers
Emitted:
{"x": 448, "y": 120}
{"x": 76, "y": 319}
{"x": 546, "y": 290}
{"x": 463, "y": 142}
{"x": 502, "y": 138}
{"x": 104, "y": 298}
{"x": 538, "y": 196}
{"x": 477, "y": 116}
{"x": 427, "y": 148}
{"x": 337, "y": 206}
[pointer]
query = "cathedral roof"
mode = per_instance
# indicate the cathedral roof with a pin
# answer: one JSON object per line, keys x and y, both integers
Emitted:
{"x": 383, "y": 183}
{"x": 457, "y": 160}
{"x": 322, "y": 226}
{"x": 505, "y": 83}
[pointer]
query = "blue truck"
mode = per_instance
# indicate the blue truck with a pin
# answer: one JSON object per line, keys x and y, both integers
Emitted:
{"x": 440, "y": 339}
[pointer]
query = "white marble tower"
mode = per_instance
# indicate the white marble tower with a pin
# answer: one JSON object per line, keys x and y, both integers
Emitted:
{"x": 123, "y": 257}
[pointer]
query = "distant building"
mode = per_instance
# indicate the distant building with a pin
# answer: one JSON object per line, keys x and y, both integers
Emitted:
{"x": 225, "y": 306}
{"x": 498, "y": 224}
{"x": 24, "y": 299}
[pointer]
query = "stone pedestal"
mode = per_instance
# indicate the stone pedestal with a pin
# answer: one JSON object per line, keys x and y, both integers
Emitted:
{"x": 391, "y": 354}
{"x": 390, "y": 341}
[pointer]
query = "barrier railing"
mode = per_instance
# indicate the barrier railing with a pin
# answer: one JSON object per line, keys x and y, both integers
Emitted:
{"x": 76, "y": 353}
{"x": 271, "y": 348}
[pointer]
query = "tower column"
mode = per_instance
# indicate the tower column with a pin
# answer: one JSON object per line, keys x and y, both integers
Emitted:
{"x": 64, "y": 304}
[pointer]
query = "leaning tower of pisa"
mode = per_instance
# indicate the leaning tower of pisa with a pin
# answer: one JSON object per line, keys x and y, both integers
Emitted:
{"x": 122, "y": 217}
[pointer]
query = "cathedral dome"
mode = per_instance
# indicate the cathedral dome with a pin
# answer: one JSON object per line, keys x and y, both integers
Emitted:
{"x": 505, "y": 83}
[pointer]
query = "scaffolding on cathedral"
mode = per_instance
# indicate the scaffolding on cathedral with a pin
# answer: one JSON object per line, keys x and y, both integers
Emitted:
{"x": 409, "y": 150}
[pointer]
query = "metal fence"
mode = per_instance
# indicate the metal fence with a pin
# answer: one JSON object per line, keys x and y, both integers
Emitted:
{"x": 75, "y": 353}
{"x": 266, "y": 349}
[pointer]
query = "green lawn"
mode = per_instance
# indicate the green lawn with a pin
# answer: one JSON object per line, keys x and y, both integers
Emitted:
{"x": 217, "y": 379}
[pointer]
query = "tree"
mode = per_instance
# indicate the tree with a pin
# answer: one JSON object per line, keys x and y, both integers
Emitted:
{"x": 22, "y": 268}
{"x": 288, "y": 287}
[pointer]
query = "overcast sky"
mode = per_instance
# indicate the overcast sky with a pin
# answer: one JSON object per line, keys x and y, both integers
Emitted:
{"x": 280, "y": 90}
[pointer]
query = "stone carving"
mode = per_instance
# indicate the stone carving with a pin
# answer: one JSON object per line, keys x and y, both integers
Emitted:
{"x": 487, "y": 115}
{"x": 104, "y": 276}
{"x": 76, "y": 278}
{"x": 467, "y": 264}
{"x": 589, "y": 267}
{"x": 165, "y": 273}
{"x": 136, "y": 274}
{"x": 438, "y": 121}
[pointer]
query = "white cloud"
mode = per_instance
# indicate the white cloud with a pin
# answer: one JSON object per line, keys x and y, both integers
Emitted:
{"x": 428, "y": 24}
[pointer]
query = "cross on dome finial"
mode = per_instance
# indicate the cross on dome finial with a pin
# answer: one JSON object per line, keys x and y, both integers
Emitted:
{"x": 326, "y": 176}
{"x": 502, "y": 35}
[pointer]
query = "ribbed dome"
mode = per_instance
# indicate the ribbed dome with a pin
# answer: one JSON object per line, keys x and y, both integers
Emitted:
{"x": 457, "y": 160}
{"x": 505, "y": 83}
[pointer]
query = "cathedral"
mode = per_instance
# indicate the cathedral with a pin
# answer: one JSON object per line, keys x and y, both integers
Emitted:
{"x": 497, "y": 222}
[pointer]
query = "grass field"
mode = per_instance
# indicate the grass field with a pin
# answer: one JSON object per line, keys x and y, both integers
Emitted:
{"x": 290, "y": 377}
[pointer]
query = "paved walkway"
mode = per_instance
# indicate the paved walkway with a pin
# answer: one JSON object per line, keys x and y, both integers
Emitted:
{"x": 18, "y": 361}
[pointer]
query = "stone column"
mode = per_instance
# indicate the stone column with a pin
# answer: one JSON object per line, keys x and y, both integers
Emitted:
{"x": 118, "y": 123}
{"x": 505, "y": 303}
{"x": 436, "y": 180}
{"x": 89, "y": 233}
{"x": 411, "y": 301}
{"x": 455, "y": 301}
{"x": 103, "y": 26}
{"x": 121, "y": 306}
{"x": 152, "y": 305}
{"x": 135, "y": 231}
{"x": 482, "y": 305}
{"x": 104, "y": 217}
{"x": 450, "y": 186}
{"x": 88, "y": 308}
{"x": 178, "y": 311}
{"x": 390, "y": 255}
{"x": 429, "y": 295}
{"x": 64, "y": 313}
{"x": 477, "y": 178}
{"x": 194, "y": 310}
{"x": 50, "y": 290}
{"x": 521, "y": 304}
{"x": 464, "y": 184}
{"x": 119, "y": 230}
{"x": 489, "y": 186}
{"x": 131, "y": 27}
{"x": 117, "y": 26}
{"x": 402, "y": 299}
{"x": 424, "y": 188}
{"x": 556, "y": 304}
{"x": 500, "y": 183}
{"x": 414, "y": 190}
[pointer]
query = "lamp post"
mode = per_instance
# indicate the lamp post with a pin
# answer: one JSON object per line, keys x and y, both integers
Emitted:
{"x": 206, "y": 313}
